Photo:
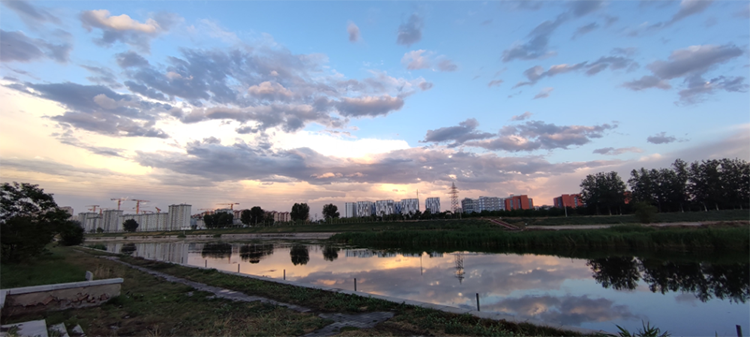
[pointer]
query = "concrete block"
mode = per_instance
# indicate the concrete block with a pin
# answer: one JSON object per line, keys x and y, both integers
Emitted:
{"x": 89, "y": 276}
{"x": 30, "y": 328}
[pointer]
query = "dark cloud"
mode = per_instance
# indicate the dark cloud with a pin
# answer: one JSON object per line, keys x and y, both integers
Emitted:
{"x": 68, "y": 138}
{"x": 610, "y": 20}
{"x": 145, "y": 91}
{"x": 583, "y": 30}
{"x": 32, "y": 16}
{"x": 98, "y": 109}
{"x": 241, "y": 161}
{"x": 691, "y": 64}
{"x": 353, "y": 31}
{"x": 447, "y": 65}
{"x": 661, "y": 138}
{"x": 410, "y": 32}
{"x": 125, "y": 30}
{"x": 535, "y": 135}
{"x": 524, "y": 116}
{"x": 690, "y": 7}
{"x": 613, "y": 151}
{"x": 582, "y": 8}
{"x": 425, "y": 86}
{"x": 130, "y": 59}
{"x": 536, "y": 73}
{"x": 544, "y": 93}
{"x": 495, "y": 83}
{"x": 612, "y": 63}
{"x": 369, "y": 106}
{"x": 536, "y": 45}
{"x": 102, "y": 76}
{"x": 465, "y": 131}
{"x": 17, "y": 47}
{"x": 629, "y": 52}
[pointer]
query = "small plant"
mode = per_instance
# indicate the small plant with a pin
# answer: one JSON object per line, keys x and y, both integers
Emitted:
{"x": 647, "y": 331}
{"x": 217, "y": 236}
{"x": 181, "y": 236}
{"x": 99, "y": 230}
{"x": 645, "y": 213}
{"x": 98, "y": 246}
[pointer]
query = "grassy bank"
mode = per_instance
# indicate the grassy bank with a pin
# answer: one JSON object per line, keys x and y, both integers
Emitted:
{"x": 51, "y": 267}
{"x": 727, "y": 215}
{"x": 718, "y": 239}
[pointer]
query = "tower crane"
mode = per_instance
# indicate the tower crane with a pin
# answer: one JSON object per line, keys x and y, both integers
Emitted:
{"x": 158, "y": 210}
{"x": 119, "y": 200}
{"x": 93, "y": 207}
{"x": 231, "y": 205}
{"x": 138, "y": 205}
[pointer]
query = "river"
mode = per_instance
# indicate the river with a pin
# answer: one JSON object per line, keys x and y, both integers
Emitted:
{"x": 684, "y": 295}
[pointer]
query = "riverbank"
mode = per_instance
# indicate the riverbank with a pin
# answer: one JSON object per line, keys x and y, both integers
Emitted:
{"x": 731, "y": 237}
{"x": 150, "y": 306}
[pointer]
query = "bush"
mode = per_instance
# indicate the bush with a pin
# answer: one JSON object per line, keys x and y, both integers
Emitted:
{"x": 130, "y": 225}
{"x": 71, "y": 234}
{"x": 100, "y": 230}
{"x": 645, "y": 213}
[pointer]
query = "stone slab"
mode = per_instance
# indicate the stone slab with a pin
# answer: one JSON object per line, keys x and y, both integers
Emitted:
{"x": 29, "y": 329}
{"x": 60, "y": 286}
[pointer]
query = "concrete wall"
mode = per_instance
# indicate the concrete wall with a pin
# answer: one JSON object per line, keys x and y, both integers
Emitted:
{"x": 59, "y": 296}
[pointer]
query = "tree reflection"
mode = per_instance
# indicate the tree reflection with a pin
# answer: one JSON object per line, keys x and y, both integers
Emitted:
{"x": 128, "y": 249}
{"x": 299, "y": 254}
{"x": 704, "y": 280}
{"x": 620, "y": 273}
{"x": 217, "y": 250}
{"x": 330, "y": 253}
{"x": 254, "y": 253}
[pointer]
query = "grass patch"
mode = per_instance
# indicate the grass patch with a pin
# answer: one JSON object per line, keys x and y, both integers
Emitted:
{"x": 51, "y": 267}
{"x": 149, "y": 306}
{"x": 98, "y": 246}
{"x": 631, "y": 238}
{"x": 727, "y": 215}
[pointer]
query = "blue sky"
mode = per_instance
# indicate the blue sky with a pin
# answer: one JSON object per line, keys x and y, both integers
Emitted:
{"x": 271, "y": 103}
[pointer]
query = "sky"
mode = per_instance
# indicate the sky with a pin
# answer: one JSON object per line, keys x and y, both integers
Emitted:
{"x": 274, "y": 103}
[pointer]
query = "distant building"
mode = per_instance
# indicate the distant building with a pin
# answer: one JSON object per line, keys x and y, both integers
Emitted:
{"x": 179, "y": 217}
{"x": 365, "y": 208}
{"x": 567, "y": 200}
{"x": 409, "y": 206}
{"x": 518, "y": 202}
{"x": 468, "y": 205}
{"x": 432, "y": 204}
{"x": 350, "y": 210}
{"x": 490, "y": 204}
{"x": 384, "y": 207}
{"x": 68, "y": 209}
{"x": 281, "y": 216}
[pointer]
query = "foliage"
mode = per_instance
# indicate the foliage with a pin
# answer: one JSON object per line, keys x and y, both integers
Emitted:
{"x": 300, "y": 212}
{"x": 218, "y": 220}
{"x": 71, "y": 233}
{"x": 99, "y": 230}
{"x": 256, "y": 215}
{"x": 299, "y": 254}
{"x": 130, "y": 225}
{"x": 603, "y": 190}
{"x": 245, "y": 217}
{"x": 98, "y": 246}
{"x": 48, "y": 268}
{"x": 330, "y": 211}
{"x": 644, "y": 212}
{"x": 330, "y": 253}
{"x": 647, "y": 331}
{"x": 29, "y": 220}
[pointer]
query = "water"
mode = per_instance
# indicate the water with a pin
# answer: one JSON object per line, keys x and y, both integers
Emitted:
{"x": 683, "y": 296}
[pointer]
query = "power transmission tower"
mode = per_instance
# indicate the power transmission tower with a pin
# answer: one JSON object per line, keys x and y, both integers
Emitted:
{"x": 454, "y": 198}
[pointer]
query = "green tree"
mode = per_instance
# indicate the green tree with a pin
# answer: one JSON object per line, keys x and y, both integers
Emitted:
{"x": 644, "y": 212}
{"x": 257, "y": 215}
{"x": 603, "y": 190}
{"x": 130, "y": 225}
{"x": 208, "y": 220}
{"x": 299, "y": 255}
{"x": 71, "y": 233}
{"x": 330, "y": 211}
{"x": 29, "y": 220}
{"x": 246, "y": 218}
{"x": 300, "y": 212}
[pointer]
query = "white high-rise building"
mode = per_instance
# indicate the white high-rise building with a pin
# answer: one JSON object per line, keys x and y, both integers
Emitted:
{"x": 409, "y": 206}
{"x": 350, "y": 210}
{"x": 179, "y": 217}
{"x": 365, "y": 208}
{"x": 384, "y": 207}
{"x": 432, "y": 204}
{"x": 489, "y": 204}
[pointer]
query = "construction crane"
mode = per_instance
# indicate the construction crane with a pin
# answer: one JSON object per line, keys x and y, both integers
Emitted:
{"x": 93, "y": 207}
{"x": 158, "y": 210}
{"x": 231, "y": 205}
{"x": 119, "y": 200}
{"x": 147, "y": 212}
{"x": 138, "y": 205}
{"x": 102, "y": 209}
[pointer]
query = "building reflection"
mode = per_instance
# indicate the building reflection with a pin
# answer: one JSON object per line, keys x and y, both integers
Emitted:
{"x": 253, "y": 253}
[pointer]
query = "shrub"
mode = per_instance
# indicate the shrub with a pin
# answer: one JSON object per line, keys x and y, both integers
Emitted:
{"x": 130, "y": 225}
{"x": 645, "y": 213}
{"x": 71, "y": 233}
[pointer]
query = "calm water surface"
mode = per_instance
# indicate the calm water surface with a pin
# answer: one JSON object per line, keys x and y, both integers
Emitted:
{"x": 686, "y": 298}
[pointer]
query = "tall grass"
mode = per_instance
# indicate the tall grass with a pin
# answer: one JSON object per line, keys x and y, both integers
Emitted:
{"x": 619, "y": 237}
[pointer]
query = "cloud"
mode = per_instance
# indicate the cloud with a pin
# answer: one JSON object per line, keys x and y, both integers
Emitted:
{"x": 582, "y": 8}
{"x": 536, "y": 45}
{"x": 661, "y": 138}
{"x": 102, "y": 76}
{"x": 535, "y": 135}
{"x": 690, "y": 7}
{"x": 630, "y": 51}
{"x": 613, "y": 151}
{"x": 583, "y": 30}
{"x": 544, "y": 93}
{"x": 410, "y": 32}
{"x": 126, "y": 30}
{"x": 536, "y": 73}
{"x": 610, "y": 62}
{"x": 17, "y": 47}
{"x": 422, "y": 59}
{"x": 130, "y": 59}
{"x": 526, "y": 115}
{"x": 68, "y": 138}
{"x": 495, "y": 83}
{"x": 270, "y": 91}
{"x": 32, "y": 16}
{"x": 353, "y": 31}
{"x": 369, "y": 106}
{"x": 691, "y": 64}
{"x": 425, "y": 86}
{"x": 486, "y": 22}
{"x": 465, "y": 131}
{"x": 564, "y": 310}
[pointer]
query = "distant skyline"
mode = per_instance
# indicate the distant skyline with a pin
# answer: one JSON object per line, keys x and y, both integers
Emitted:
{"x": 274, "y": 103}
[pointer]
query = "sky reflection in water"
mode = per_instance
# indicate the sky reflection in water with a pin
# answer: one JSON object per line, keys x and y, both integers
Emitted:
{"x": 686, "y": 298}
